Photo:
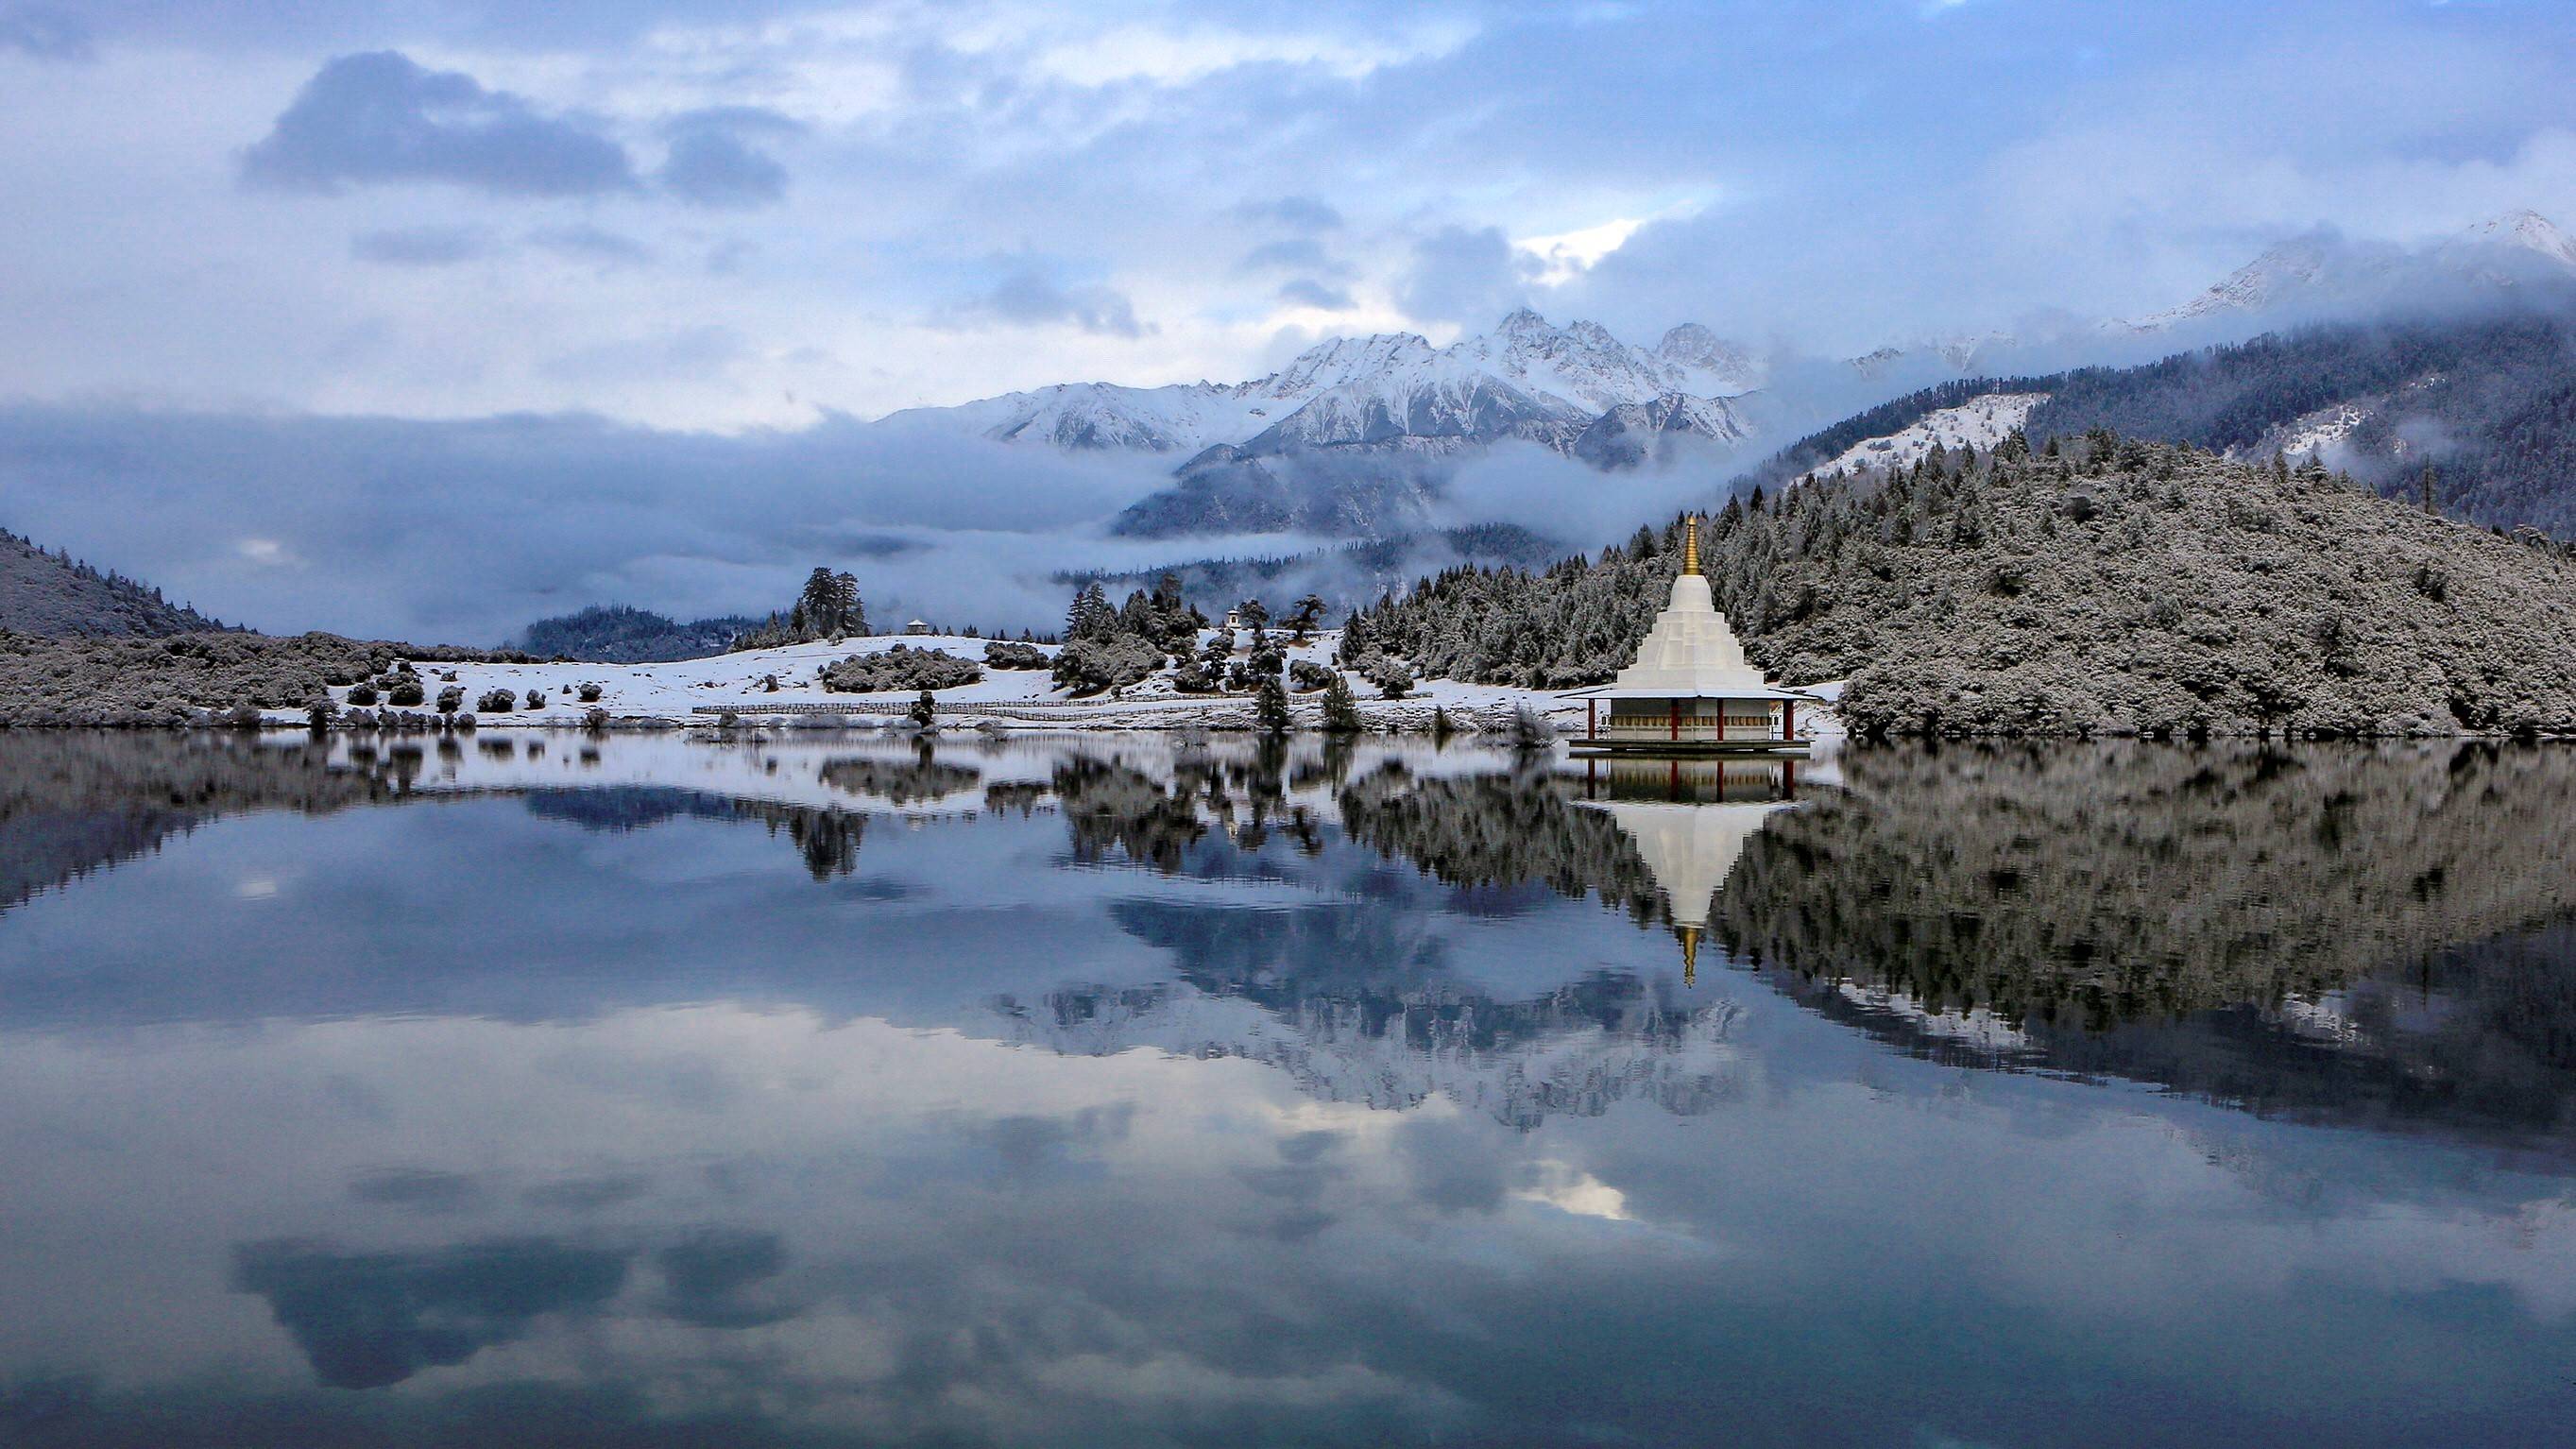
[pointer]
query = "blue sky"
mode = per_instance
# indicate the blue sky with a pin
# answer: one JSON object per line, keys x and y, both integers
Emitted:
{"x": 719, "y": 215}
{"x": 692, "y": 217}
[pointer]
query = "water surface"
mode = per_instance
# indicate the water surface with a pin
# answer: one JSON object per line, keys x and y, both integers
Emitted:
{"x": 830, "y": 1090}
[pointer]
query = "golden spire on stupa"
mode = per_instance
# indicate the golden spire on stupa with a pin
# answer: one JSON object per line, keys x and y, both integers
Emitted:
{"x": 1689, "y": 936}
{"x": 1690, "y": 543}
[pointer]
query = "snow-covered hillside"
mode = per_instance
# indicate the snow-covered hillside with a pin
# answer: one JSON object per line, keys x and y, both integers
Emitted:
{"x": 2320, "y": 270}
{"x": 1981, "y": 423}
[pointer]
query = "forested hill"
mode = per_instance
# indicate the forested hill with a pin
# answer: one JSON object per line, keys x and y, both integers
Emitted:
{"x": 2104, "y": 586}
{"x": 52, "y": 594}
{"x": 2489, "y": 403}
{"x": 622, "y": 634}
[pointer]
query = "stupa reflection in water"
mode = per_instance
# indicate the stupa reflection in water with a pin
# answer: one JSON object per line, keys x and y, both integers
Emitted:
{"x": 1689, "y": 821}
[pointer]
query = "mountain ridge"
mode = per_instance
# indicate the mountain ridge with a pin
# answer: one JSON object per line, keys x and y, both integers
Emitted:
{"x": 53, "y": 595}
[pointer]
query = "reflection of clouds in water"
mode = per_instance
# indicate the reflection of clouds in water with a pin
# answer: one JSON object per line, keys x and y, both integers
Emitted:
{"x": 1030, "y": 1144}
{"x": 1402, "y": 1217}
{"x": 371, "y": 1319}
{"x": 588, "y": 1194}
{"x": 1572, "y": 1190}
{"x": 717, "y": 1277}
{"x": 419, "y": 1189}
{"x": 1189, "y": 1246}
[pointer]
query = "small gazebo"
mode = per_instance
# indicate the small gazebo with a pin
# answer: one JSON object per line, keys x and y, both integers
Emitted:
{"x": 1690, "y": 691}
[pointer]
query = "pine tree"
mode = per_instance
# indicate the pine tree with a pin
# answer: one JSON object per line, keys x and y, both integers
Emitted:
{"x": 1090, "y": 615}
{"x": 1270, "y": 706}
{"x": 1357, "y": 644}
{"x": 2428, "y": 489}
{"x": 1341, "y": 707}
{"x": 1308, "y": 613}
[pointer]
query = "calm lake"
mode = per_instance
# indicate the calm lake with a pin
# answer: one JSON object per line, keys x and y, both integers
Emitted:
{"x": 836, "y": 1090}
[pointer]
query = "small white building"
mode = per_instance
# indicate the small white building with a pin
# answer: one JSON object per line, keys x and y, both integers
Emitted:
{"x": 1690, "y": 691}
{"x": 916, "y": 626}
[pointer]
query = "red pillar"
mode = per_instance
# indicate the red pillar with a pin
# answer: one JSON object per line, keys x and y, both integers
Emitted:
{"x": 1721, "y": 721}
{"x": 1592, "y": 719}
{"x": 1677, "y": 719}
{"x": 1788, "y": 719}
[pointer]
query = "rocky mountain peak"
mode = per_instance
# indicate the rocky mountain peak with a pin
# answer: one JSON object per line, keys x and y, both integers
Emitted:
{"x": 2525, "y": 230}
{"x": 2528, "y": 229}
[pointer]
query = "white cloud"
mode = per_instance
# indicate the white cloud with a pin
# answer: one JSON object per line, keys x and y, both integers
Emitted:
{"x": 1568, "y": 254}
{"x": 1172, "y": 57}
{"x": 1571, "y": 1190}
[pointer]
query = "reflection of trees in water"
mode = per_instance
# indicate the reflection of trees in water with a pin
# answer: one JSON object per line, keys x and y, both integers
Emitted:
{"x": 1113, "y": 808}
{"x": 1500, "y": 830}
{"x": 900, "y": 782}
{"x": 1110, "y": 806}
{"x": 2375, "y": 938}
{"x": 72, "y": 802}
{"x": 829, "y": 840}
{"x": 2477, "y": 1041}
{"x": 1016, "y": 797}
{"x": 2095, "y": 883}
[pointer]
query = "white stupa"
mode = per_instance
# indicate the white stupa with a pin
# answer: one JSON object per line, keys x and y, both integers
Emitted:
{"x": 1690, "y": 691}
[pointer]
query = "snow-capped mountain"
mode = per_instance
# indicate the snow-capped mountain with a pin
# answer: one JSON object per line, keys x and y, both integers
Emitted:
{"x": 1711, "y": 365}
{"x": 1355, "y": 436}
{"x": 1368, "y": 454}
{"x": 1527, "y": 378}
{"x": 2319, "y": 271}
{"x": 1584, "y": 366}
{"x": 2505, "y": 250}
{"x": 1963, "y": 353}
{"x": 1630, "y": 433}
{"x": 2528, "y": 230}
{"x": 2277, "y": 273}
{"x": 1360, "y": 437}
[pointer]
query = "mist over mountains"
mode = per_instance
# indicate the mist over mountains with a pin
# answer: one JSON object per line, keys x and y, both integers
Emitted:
{"x": 1362, "y": 438}
{"x": 1361, "y": 464}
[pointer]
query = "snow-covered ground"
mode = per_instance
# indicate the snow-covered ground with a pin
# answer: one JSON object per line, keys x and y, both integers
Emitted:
{"x": 1981, "y": 422}
{"x": 2322, "y": 429}
{"x": 698, "y": 691}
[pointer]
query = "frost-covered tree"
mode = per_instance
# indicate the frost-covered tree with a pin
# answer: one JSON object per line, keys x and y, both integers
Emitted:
{"x": 2100, "y": 584}
{"x": 1341, "y": 708}
{"x": 1270, "y": 706}
{"x": 1308, "y": 613}
{"x": 1090, "y": 615}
